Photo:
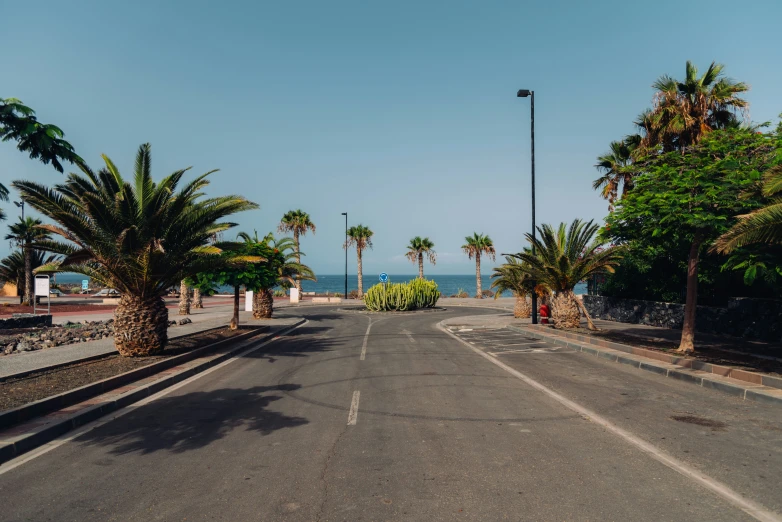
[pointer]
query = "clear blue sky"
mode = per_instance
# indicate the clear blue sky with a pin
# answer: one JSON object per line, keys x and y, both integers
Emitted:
{"x": 401, "y": 113}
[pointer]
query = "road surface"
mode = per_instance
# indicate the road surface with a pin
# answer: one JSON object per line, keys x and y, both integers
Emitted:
{"x": 388, "y": 417}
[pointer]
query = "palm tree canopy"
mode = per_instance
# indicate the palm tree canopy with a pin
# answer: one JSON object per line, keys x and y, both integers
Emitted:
{"x": 419, "y": 245}
{"x": 138, "y": 236}
{"x": 686, "y": 110}
{"x": 296, "y": 221}
{"x": 27, "y": 231}
{"x": 613, "y": 166}
{"x": 39, "y": 140}
{"x": 479, "y": 244}
{"x": 567, "y": 255}
{"x": 761, "y": 226}
{"x": 513, "y": 277}
{"x": 360, "y": 236}
{"x": 12, "y": 266}
{"x": 288, "y": 269}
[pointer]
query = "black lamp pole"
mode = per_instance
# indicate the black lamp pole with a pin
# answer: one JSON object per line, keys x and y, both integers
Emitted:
{"x": 346, "y": 253}
{"x": 523, "y": 93}
{"x": 20, "y": 204}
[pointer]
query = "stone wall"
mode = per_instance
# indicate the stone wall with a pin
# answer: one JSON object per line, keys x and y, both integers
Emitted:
{"x": 743, "y": 317}
{"x": 25, "y": 322}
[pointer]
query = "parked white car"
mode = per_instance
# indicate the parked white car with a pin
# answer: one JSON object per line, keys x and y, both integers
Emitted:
{"x": 107, "y": 292}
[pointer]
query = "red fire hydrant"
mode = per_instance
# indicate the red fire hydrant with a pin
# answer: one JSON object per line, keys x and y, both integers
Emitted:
{"x": 544, "y": 314}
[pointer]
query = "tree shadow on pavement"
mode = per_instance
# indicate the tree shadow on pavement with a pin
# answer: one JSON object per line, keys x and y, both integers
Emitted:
{"x": 186, "y": 422}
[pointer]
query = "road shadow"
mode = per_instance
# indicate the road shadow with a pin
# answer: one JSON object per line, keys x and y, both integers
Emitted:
{"x": 301, "y": 342}
{"x": 194, "y": 420}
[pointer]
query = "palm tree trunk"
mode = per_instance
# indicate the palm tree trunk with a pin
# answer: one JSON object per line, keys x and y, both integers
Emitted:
{"x": 564, "y": 310}
{"x": 29, "y": 284}
{"x": 522, "y": 309}
{"x": 478, "y": 292}
{"x": 360, "y": 276}
{"x": 687, "y": 343}
{"x": 184, "y": 299}
{"x": 420, "y": 266}
{"x": 235, "y": 319}
{"x": 298, "y": 256}
{"x": 198, "y": 301}
{"x": 263, "y": 304}
{"x": 140, "y": 326}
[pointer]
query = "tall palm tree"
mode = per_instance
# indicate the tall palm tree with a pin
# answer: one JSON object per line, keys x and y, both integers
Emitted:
{"x": 27, "y": 234}
{"x": 613, "y": 166}
{"x": 476, "y": 245}
{"x": 761, "y": 226}
{"x": 12, "y": 267}
{"x": 684, "y": 111}
{"x": 564, "y": 257}
{"x": 298, "y": 222}
{"x": 138, "y": 236}
{"x": 360, "y": 237}
{"x": 416, "y": 250}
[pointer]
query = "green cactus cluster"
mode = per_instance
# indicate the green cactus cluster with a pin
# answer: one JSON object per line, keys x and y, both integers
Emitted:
{"x": 402, "y": 297}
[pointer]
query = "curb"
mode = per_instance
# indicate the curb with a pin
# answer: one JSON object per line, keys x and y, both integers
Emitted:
{"x": 86, "y": 359}
{"x": 616, "y": 353}
{"x": 43, "y": 433}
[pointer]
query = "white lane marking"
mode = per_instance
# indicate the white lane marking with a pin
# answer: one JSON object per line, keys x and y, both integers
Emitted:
{"x": 750, "y": 507}
{"x": 353, "y": 415}
{"x": 366, "y": 338}
{"x": 59, "y": 441}
{"x": 409, "y": 335}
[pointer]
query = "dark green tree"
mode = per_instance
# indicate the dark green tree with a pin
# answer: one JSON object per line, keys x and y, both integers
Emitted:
{"x": 692, "y": 196}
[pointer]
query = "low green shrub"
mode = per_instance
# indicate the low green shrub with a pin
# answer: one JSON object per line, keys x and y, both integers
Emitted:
{"x": 402, "y": 297}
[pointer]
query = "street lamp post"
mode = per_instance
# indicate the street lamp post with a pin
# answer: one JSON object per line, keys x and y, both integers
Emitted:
{"x": 346, "y": 254}
{"x": 20, "y": 204}
{"x": 523, "y": 93}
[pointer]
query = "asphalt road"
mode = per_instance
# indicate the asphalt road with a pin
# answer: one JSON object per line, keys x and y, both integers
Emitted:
{"x": 401, "y": 421}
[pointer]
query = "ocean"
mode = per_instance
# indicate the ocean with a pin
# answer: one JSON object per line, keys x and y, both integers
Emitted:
{"x": 448, "y": 284}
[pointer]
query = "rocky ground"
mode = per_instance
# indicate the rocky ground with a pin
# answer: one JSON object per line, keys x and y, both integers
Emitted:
{"x": 31, "y": 339}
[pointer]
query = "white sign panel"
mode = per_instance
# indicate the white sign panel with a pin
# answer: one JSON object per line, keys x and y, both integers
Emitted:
{"x": 294, "y": 295}
{"x": 42, "y": 285}
{"x": 248, "y": 301}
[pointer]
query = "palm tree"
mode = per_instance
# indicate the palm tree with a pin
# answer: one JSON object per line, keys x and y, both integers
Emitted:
{"x": 361, "y": 237}
{"x": 184, "y": 298}
{"x": 299, "y": 223}
{"x": 564, "y": 257}
{"x": 138, "y": 236}
{"x": 27, "y": 233}
{"x": 684, "y": 111}
{"x": 416, "y": 250}
{"x": 3, "y": 197}
{"x": 39, "y": 140}
{"x": 12, "y": 267}
{"x": 286, "y": 270}
{"x": 615, "y": 173}
{"x": 513, "y": 276}
{"x": 198, "y": 301}
{"x": 761, "y": 226}
{"x": 476, "y": 245}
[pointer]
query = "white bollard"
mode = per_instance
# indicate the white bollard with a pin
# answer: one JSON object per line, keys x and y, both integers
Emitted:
{"x": 248, "y": 301}
{"x": 294, "y": 295}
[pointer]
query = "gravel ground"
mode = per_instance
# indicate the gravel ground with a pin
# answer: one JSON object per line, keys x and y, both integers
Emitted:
{"x": 709, "y": 354}
{"x": 36, "y": 386}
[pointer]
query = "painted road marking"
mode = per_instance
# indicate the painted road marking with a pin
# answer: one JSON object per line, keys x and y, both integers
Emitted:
{"x": 353, "y": 414}
{"x": 750, "y": 507}
{"x": 56, "y": 443}
{"x": 409, "y": 335}
{"x": 366, "y": 338}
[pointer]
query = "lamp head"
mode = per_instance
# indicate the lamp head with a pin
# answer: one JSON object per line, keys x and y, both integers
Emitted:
{"x": 344, "y": 213}
{"x": 523, "y": 93}
{"x": 19, "y": 204}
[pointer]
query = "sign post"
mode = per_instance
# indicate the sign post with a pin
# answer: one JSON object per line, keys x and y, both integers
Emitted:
{"x": 42, "y": 289}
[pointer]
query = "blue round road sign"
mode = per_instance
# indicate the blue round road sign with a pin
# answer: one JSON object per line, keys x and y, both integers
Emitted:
{"x": 384, "y": 278}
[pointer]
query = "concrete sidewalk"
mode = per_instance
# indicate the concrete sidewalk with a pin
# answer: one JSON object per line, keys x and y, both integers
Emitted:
{"x": 203, "y": 319}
